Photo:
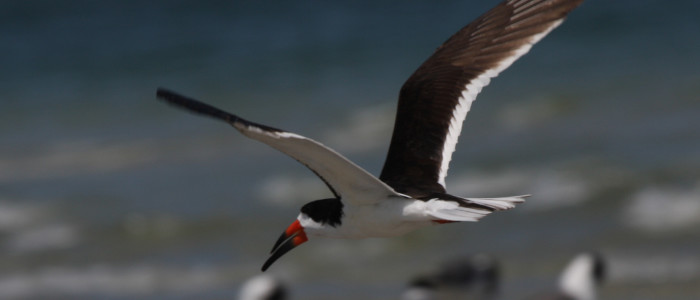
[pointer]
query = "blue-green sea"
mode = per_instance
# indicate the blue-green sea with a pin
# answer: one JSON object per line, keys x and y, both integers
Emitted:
{"x": 107, "y": 193}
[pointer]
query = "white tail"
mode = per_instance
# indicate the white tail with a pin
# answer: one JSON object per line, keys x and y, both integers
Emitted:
{"x": 452, "y": 211}
{"x": 500, "y": 203}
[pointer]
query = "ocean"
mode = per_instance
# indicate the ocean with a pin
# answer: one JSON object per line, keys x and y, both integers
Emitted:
{"x": 107, "y": 193}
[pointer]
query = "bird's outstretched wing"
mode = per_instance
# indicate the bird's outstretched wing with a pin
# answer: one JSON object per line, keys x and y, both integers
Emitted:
{"x": 435, "y": 100}
{"x": 342, "y": 176}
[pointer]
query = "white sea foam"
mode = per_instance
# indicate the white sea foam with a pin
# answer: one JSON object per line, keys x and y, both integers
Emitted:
{"x": 30, "y": 227}
{"x": 525, "y": 114}
{"x": 69, "y": 158}
{"x": 288, "y": 190}
{"x": 15, "y": 216}
{"x": 81, "y": 157}
{"x": 365, "y": 130}
{"x": 549, "y": 188}
{"x": 110, "y": 280}
{"x": 657, "y": 269}
{"x": 49, "y": 236}
{"x": 162, "y": 225}
{"x": 661, "y": 208}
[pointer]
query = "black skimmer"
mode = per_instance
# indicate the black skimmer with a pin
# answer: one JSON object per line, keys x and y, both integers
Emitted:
{"x": 263, "y": 287}
{"x": 433, "y": 102}
{"x": 475, "y": 277}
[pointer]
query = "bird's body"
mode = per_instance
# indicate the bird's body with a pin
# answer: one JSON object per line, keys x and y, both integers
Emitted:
{"x": 410, "y": 191}
{"x": 395, "y": 215}
{"x": 390, "y": 217}
{"x": 364, "y": 205}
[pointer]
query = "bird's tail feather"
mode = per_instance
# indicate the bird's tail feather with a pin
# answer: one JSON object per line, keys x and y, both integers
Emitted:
{"x": 499, "y": 203}
{"x": 473, "y": 209}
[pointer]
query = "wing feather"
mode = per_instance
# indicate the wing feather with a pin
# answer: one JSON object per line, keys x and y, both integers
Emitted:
{"x": 345, "y": 179}
{"x": 435, "y": 100}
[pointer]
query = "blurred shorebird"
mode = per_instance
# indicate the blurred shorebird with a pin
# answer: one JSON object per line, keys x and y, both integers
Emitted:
{"x": 410, "y": 191}
{"x": 580, "y": 279}
{"x": 263, "y": 287}
{"x": 475, "y": 277}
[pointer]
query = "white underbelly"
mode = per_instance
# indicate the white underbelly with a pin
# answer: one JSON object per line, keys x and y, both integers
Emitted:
{"x": 385, "y": 219}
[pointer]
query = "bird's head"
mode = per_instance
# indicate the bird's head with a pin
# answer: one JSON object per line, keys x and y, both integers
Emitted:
{"x": 317, "y": 217}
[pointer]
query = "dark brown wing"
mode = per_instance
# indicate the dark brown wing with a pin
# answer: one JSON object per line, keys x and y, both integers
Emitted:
{"x": 435, "y": 100}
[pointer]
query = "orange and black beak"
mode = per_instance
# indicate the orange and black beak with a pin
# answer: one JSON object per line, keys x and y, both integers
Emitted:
{"x": 290, "y": 238}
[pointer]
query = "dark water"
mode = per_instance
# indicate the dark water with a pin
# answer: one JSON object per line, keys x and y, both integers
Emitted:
{"x": 107, "y": 193}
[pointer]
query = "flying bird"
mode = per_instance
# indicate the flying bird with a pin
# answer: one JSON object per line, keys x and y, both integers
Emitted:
{"x": 410, "y": 191}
